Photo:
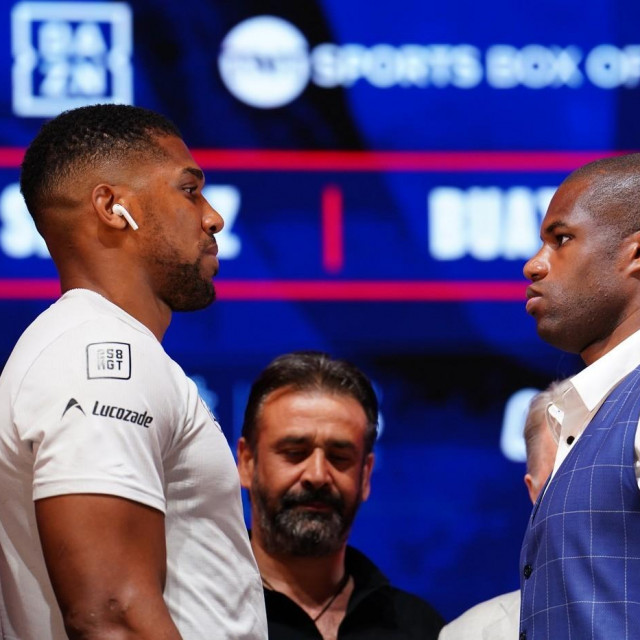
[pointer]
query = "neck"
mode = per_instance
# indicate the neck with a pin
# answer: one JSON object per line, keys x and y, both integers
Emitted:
{"x": 149, "y": 311}
{"x": 113, "y": 271}
{"x": 307, "y": 581}
{"x": 629, "y": 325}
{"x": 319, "y": 586}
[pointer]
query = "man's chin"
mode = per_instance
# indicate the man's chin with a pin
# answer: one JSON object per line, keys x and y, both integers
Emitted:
{"x": 306, "y": 533}
{"x": 311, "y": 545}
{"x": 204, "y": 298}
{"x": 557, "y": 338}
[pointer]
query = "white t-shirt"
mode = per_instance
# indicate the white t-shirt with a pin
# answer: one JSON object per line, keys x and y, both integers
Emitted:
{"x": 91, "y": 403}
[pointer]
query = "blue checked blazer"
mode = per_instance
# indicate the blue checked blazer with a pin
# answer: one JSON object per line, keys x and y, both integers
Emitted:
{"x": 580, "y": 559}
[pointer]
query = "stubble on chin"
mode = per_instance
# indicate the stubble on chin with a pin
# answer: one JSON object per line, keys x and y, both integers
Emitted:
{"x": 575, "y": 325}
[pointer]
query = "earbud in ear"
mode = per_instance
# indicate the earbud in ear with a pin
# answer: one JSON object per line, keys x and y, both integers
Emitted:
{"x": 119, "y": 210}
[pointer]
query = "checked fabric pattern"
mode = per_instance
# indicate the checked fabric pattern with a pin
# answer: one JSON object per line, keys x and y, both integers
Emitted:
{"x": 580, "y": 559}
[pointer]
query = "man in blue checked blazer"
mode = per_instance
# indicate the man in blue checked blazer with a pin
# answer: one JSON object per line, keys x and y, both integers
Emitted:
{"x": 580, "y": 559}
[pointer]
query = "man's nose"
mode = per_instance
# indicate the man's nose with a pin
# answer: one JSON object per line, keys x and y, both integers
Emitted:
{"x": 537, "y": 267}
{"x": 212, "y": 221}
{"x": 316, "y": 471}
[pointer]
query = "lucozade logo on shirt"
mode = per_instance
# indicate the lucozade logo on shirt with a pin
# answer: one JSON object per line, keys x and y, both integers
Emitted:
{"x": 120, "y": 413}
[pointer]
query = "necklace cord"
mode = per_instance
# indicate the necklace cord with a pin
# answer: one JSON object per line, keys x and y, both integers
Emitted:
{"x": 341, "y": 586}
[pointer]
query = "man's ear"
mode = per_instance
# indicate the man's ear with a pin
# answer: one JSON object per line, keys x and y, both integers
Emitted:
{"x": 367, "y": 468}
{"x": 531, "y": 487}
{"x": 245, "y": 463}
{"x": 103, "y": 198}
{"x": 632, "y": 254}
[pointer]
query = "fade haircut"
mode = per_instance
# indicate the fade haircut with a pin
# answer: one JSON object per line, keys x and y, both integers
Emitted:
{"x": 536, "y": 421}
{"x": 83, "y": 138}
{"x": 613, "y": 196}
{"x": 311, "y": 371}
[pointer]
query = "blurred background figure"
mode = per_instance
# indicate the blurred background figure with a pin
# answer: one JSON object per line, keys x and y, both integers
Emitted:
{"x": 306, "y": 457}
{"x": 498, "y": 618}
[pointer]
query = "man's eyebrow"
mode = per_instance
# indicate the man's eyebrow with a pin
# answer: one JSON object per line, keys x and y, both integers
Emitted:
{"x": 195, "y": 172}
{"x": 554, "y": 225}
{"x": 305, "y": 440}
{"x": 293, "y": 440}
{"x": 342, "y": 444}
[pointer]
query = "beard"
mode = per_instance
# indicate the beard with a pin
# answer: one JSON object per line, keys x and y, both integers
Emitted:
{"x": 184, "y": 287}
{"x": 289, "y": 530}
{"x": 187, "y": 289}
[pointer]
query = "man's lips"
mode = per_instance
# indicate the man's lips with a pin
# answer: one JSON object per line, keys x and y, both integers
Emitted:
{"x": 533, "y": 298}
{"x": 318, "y": 506}
{"x": 212, "y": 249}
{"x": 315, "y": 506}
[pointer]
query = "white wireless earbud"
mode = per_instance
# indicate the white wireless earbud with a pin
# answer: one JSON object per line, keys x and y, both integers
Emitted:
{"x": 119, "y": 210}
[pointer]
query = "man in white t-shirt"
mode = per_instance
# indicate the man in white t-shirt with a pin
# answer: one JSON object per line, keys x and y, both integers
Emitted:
{"x": 120, "y": 512}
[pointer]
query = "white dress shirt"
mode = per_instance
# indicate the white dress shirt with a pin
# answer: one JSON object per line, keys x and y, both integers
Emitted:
{"x": 569, "y": 417}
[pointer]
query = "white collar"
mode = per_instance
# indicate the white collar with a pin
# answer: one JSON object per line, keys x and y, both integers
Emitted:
{"x": 595, "y": 382}
{"x": 592, "y": 385}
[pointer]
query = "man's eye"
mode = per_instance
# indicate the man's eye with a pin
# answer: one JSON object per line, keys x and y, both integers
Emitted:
{"x": 562, "y": 238}
{"x": 294, "y": 453}
{"x": 341, "y": 461}
{"x": 191, "y": 189}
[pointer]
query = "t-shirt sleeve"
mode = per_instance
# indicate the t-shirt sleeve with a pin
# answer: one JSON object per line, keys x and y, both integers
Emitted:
{"x": 96, "y": 410}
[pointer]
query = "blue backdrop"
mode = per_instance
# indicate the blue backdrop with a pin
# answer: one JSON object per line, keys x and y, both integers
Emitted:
{"x": 383, "y": 169}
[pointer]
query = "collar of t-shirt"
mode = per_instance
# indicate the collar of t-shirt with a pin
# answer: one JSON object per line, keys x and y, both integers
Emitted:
{"x": 99, "y": 301}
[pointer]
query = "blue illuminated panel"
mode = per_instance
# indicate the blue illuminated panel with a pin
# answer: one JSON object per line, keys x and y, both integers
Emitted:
{"x": 383, "y": 169}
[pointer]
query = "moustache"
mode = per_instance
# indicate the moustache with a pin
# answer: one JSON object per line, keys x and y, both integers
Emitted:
{"x": 312, "y": 496}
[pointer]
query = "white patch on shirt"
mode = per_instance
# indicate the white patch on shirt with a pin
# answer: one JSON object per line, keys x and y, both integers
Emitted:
{"x": 109, "y": 360}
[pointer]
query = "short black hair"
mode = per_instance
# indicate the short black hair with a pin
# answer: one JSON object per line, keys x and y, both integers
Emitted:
{"x": 306, "y": 371}
{"x": 81, "y": 138}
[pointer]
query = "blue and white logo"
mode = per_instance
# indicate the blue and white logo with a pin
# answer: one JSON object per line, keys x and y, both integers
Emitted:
{"x": 70, "y": 54}
{"x": 264, "y": 62}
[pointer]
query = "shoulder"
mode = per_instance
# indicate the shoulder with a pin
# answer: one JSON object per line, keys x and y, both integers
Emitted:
{"x": 77, "y": 348}
{"x": 503, "y": 611}
{"x": 75, "y": 321}
{"x": 408, "y": 611}
{"x": 92, "y": 348}
{"x": 412, "y": 607}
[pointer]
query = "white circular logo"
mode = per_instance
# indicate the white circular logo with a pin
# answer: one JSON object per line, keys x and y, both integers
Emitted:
{"x": 264, "y": 62}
